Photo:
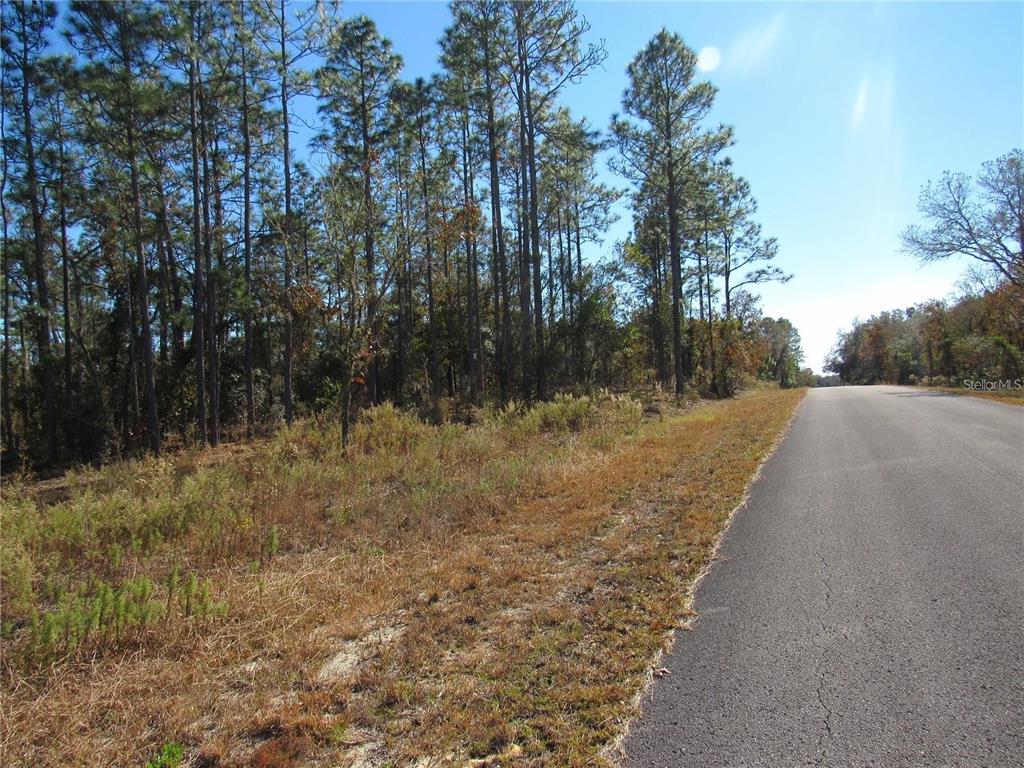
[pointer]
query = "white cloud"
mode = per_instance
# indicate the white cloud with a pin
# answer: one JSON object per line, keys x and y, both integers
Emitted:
{"x": 885, "y": 99}
{"x": 753, "y": 44}
{"x": 873, "y": 100}
{"x": 860, "y": 103}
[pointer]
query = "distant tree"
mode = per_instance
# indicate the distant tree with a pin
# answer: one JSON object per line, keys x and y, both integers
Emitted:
{"x": 472, "y": 45}
{"x": 290, "y": 38}
{"x": 543, "y": 54}
{"x": 9, "y": 441}
{"x": 747, "y": 255}
{"x": 460, "y": 92}
{"x": 977, "y": 336}
{"x": 167, "y": 238}
{"x": 251, "y": 64}
{"x": 785, "y": 354}
{"x": 421, "y": 116}
{"x": 125, "y": 90}
{"x": 578, "y": 209}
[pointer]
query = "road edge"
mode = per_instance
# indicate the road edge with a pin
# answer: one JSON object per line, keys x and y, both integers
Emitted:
{"x": 615, "y": 752}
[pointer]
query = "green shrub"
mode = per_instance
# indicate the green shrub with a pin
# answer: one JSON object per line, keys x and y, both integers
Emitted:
{"x": 571, "y": 414}
{"x": 386, "y": 429}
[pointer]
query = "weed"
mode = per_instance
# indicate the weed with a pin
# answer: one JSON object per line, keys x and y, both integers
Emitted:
{"x": 169, "y": 756}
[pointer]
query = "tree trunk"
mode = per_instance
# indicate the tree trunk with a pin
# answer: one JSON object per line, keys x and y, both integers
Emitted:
{"x": 727, "y": 276}
{"x": 712, "y": 354}
{"x": 152, "y": 417}
{"x": 69, "y": 408}
{"x": 502, "y": 314}
{"x": 530, "y": 182}
{"x": 42, "y": 289}
{"x": 525, "y": 321}
{"x": 472, "y": 292}
{"x": 435, "y": 366}
{"x": 250, "y": 403}
{"x": 289, "y": 411}
{"x": 677, "y": 276}
{"x": 577, "y": 330}
{"x": 659, "y": 329}
{"x": 198, "y": 299}
{"x": 210, "y": 184}
{"x": 5, "y": 367}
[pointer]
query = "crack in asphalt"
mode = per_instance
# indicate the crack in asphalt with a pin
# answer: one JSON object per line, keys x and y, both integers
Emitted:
{"x": 826, "y": 734}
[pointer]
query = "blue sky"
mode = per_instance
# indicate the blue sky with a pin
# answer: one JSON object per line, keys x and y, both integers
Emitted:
{"x": 842, "y": 112}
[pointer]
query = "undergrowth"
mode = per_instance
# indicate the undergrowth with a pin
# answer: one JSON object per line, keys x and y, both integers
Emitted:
{"x": 493, "y": 594}
{"x": 133, "y": 550}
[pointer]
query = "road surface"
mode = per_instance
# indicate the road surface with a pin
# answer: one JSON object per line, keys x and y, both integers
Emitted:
{"x": 867, "y": 608}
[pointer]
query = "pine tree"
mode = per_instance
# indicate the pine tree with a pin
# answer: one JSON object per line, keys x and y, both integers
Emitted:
{"x": 663, "y": 141}
{"x": 26, "y": 27}
{"x": 290, "y": 41}
{"x": 356, "y": 83}
{"x": 746, "y": 253}
{"x": 125, "y": 87}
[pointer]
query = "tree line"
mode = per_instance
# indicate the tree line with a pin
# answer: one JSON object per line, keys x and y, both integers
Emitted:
{"x": 977, "y": 336}
{"x": 176, "y": 268}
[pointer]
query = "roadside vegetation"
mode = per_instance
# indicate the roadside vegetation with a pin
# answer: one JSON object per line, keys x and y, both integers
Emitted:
{"x": 491, "y": 591}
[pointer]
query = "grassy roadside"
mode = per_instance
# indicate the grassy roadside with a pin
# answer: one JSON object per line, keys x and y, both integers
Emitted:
{"x": 1008, "y": 396}
{"x": 493, "y": 594}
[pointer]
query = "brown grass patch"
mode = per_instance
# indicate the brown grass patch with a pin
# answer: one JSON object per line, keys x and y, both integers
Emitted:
{"x": 506, "y": 612}
{"x": 1007, "y": 396}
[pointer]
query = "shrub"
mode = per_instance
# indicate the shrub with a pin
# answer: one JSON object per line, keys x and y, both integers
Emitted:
{"x": 128, "y": 543}
{"x": 565, "y": 413}
{"x": 386, "y": 429}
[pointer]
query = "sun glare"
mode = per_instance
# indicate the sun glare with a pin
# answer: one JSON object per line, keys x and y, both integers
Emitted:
{"x": 709, "y": 58}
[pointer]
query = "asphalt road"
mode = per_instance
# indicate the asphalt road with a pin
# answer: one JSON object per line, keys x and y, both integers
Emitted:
{"x": 867, "y": 608}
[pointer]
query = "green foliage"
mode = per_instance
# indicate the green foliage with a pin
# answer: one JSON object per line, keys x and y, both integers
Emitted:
{"x": 169, "y": 756}
{"x": 127, "y": 553}
{"x": 98, "y": 614}
{"x": 781, "y": 362}
{"x": 570, "y": 414}
{"x": 565, "y": 413}
{"x": 396, "y": 279}
{"x": 62, "y": 583}
{"x": 19, "y": 521}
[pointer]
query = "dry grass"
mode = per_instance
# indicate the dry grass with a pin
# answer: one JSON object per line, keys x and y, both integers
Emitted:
{"x": 1008, "y": 396}
{"x": 487, "y": 595}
